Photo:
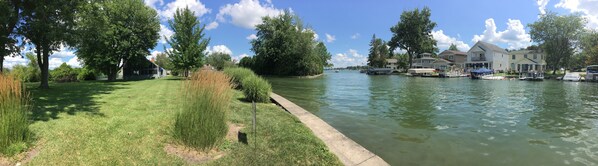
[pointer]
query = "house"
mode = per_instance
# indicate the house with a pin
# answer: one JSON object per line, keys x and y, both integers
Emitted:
{"x": 458, "y": 58}
{"x": 527, "y": 60}
{"x": 425, "y": 60}
{"x": 442, "y": 64}
{"x": 486, "y": 55}
{"x": 141, "y": 68}
{"x": 392, "y": 64}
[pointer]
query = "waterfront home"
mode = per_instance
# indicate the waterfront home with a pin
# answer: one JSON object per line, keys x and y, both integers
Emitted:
{"x": 527, "y": 60}
{"x": 458, "y": 58}
{"x": 392, "y": 64}
{"x": 442, "y": 64}
{"x": 486, "y": 55}
{"x": 424, "y": 60}
{"x": 592, "y": 73}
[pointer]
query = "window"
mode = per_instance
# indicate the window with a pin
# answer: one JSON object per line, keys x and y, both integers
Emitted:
{"x": 535, "y": 56}
{"x": 525, "y": 55}
{"x": 450, "y": 57}
{"x": 513, "y": 57}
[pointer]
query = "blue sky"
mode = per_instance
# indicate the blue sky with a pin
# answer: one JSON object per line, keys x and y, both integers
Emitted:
{"x": 346, "y": 27}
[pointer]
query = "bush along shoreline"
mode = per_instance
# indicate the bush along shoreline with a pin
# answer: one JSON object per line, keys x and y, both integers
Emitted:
{"x": 254, "y": 87}
{"x": 14, "y": 121}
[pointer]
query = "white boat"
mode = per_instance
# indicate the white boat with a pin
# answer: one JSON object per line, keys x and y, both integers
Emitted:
{"x": 572, "y": 77}
{"x": 492, "y": 77}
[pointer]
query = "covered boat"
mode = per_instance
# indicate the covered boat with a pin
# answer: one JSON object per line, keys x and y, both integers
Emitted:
{"x": 478, "y": 73}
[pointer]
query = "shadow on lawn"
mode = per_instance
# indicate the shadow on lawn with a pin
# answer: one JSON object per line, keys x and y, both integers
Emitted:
{"x": 69, "y": 98}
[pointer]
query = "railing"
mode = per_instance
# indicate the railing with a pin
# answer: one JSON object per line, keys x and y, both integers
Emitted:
{"x": 478, "y": 58}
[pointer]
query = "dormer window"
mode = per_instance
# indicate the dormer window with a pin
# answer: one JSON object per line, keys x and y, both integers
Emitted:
{"x": 525, "y": 55}
{"x": 513, "y": 57}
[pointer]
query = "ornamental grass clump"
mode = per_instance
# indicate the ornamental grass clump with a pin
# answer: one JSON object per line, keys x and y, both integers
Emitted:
{"x": 14, "y": 123}
{"x": 201, "y": 122}
{"x": 238, "y": 75}
{"x": 256, "y": 89}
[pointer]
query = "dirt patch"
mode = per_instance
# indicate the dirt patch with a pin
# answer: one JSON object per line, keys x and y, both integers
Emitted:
{"x": 20, "y": 159}
{"x": 233, "y": 131}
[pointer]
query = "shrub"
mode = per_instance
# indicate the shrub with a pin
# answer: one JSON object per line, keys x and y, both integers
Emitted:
{"x": 86, "y": 74}
{"x": 238, "y": 74}
{"x": 256, "y": 89}
{"x": 14, "y": 130}
{"x": 201, "y": 122}
{"x": 26, "y": 73}
{"x": 64, "y": 73}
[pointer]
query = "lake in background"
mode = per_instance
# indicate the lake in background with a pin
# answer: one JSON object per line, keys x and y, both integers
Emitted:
{"x": 455, "y": 121}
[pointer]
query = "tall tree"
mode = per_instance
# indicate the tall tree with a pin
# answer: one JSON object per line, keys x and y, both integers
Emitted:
{"x": 413, "y": 33}
{"x": 115, "y": 33}
{"x": 378, "y": 52}
{"x": 8, "y": 27}
{"x": 188, "y": 42}
{"x": 219, "y": 60}
{"x": 285, "y": 47}
{"x": 47, "y": 25}
{"x": 557, "y": 35}
{"x": 323, "y": 53}
{"x": 453, "y": 47}
{"x": 589, "y": 44}
{"x": 163, "y": 61}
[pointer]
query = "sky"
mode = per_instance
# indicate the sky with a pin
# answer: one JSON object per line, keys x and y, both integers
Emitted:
{"x": 347, "y": 26}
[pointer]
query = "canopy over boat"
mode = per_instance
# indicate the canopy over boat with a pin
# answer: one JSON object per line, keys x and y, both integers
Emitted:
{"x": 482, "y": 71}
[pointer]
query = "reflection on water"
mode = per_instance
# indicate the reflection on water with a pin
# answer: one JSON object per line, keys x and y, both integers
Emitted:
{"x": 429, "y": 121}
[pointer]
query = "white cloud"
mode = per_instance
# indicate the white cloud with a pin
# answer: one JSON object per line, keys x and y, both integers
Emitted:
{"x": 247, "y": 13}
{"x": 212, "y": 25}
{"x": 349, "y": 58}
{"x": 239, "y": 57}
{"x": 542, "y": 5}
{"x": 54, "y": 63}
{"x": 588, "y": 9}
{"x": 444, "y": 41}
{"x": 219, "y": 48}
{"x": 251, "y": 37}
{"x": 514, "y": 36}
{"x": 152, "y": 3}
{"x": 10, "y": 62}
{"x": 74, "y": 62}
{"x": 193, "y": 5}
{"x": 63, "y": 52}
{"x": 330, "y": 38}
{"x": 165, "y": 34}
{"x": 355, "y": 36}
{"x": 316, "y": 36}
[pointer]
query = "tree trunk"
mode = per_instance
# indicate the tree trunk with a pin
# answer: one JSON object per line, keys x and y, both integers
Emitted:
{"x": 410, "y": 60}
{"x": 44, "y": 69}
{"x": 1, "y": 63}
{"x": 553, "y": 70}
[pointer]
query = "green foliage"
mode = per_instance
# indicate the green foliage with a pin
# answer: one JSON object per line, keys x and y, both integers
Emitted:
{"x": 14, "y": 121}
{"x": 557, "y": 36}
{"x": 285, "y": 47}
{"x": 589, "y": 44}
{"x": 256, "y": 89}
{"x": 115, "y": 31}
{"x": 378, "y": 52}
{"x": 64, "y": 73}
{"x": 29, "y": 73}
{"x": 238, "y": 74}
{"x": 188, "y": 42}
{"x": 246, "y": 62}
{"x": 219, "y": 60}
{"x": 413, "y": 33}
{"x": 163, "y": 61}
{"x": 453, "y": 47}
{"x": 201, "y": 123}
{"x": 8, "y": 23}
{"x": 86, "y": 74}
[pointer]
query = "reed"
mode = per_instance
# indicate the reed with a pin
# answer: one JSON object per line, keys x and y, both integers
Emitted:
{"x": 256, "y": 89}
{"x": 201, "y": 122}
{"x": 238, "y": 75}
{"x": 14, "y": 109}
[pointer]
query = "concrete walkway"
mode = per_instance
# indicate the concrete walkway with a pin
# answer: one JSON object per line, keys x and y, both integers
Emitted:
{"x": 348, "y": 151}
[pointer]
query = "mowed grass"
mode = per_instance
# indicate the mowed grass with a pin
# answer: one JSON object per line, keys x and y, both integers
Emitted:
{"x": 129, "y": 123}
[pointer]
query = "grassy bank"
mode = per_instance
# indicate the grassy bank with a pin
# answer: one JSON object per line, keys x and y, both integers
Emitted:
{"x": 130, "y": 123}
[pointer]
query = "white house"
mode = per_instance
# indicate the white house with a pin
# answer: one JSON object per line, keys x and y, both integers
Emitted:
{"x": 486, "y": 55}
{"x": 425, "y": 60}
{"x": 527, "y": 60}
{"x": 392, "y": 64}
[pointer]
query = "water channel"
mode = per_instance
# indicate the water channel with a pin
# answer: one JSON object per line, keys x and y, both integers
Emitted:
{"x": 455, "y": 121}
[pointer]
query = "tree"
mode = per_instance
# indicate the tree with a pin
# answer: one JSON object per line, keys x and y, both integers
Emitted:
{"x": 557, "y": 36}
{"x": 285, "y": 47}
{"x": 163, "y": 61}
{"x": 589, "y": 45}
{"x": 413, "y": 33}
{"x": 188, "y": 43}
{"x": 453, "y": 47}
{"x": 378, "y": 52}
{"x": 8, "y": 27}
{"x": 246, "y": 62}
{"x": 219, "y": 60}
{"x": 115, "y": 33}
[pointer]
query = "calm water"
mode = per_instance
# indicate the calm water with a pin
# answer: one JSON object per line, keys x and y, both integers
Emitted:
{"x": 456, "y": 121}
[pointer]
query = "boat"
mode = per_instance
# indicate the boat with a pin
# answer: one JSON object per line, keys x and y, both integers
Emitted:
{"x": 421, "y": 71}
{"x": 531, "y": 76}
{"x": 572, "y": 77}
{"x": 492, "y": 77}
{"x": 478, "y": 73}
{"x": 336, "y": 71}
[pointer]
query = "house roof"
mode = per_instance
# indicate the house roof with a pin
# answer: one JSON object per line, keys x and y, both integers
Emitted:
{"x": 451, "y": 52}
{"x": 529, "y": 61}
{"x": 524, "y": 51}
{"x": 493, "y": 47}
{"x": 441, "y": 60}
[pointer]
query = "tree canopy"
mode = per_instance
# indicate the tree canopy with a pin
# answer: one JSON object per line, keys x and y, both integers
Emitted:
{"x": 285, "y": 47}
{"x": 557, "y": 35}
{"x": 219, "y": 60}
{"x": 115, "y": 33}
{"x": 453, "y": 47}
{"x": 589, "y": 44}
{"x": 188, "y": 42}
{"x": 8, "y": 27}
{"x": 413, "y": 33}
{"x": 163, "y": 61}
{"x": 378, "y": 52}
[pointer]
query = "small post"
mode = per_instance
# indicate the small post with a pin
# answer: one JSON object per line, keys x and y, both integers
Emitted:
{"x": 254, "y": 130}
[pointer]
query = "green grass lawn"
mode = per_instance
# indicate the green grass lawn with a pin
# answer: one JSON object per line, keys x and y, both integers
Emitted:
{"x": 129, "y": 123}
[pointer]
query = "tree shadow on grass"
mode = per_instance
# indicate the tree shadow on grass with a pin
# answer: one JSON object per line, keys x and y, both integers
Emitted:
{"x": 69, "y": 98}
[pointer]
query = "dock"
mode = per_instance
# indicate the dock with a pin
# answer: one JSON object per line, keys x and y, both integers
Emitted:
{"x": 347, "y": 150}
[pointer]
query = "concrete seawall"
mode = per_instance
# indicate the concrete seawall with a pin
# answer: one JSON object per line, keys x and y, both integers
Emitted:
{"x": 347, "y": 150}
